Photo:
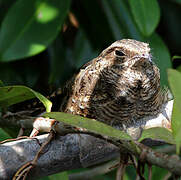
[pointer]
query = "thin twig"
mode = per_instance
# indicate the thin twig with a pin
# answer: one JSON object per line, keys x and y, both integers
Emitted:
{"x": 149, "y": 172}
{"x": 24, "y": 170}
{"x": 19, "y": 138}
{"x": 120, "y": 171}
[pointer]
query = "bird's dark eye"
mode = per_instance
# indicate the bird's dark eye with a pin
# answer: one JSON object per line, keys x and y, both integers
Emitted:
{"x": 119, "y": 53}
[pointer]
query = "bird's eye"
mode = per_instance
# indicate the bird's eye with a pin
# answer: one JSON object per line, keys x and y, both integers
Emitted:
{"x": 119, "y": 53}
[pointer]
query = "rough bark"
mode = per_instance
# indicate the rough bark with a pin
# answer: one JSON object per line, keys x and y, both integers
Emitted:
{"x": 63, "y": 153}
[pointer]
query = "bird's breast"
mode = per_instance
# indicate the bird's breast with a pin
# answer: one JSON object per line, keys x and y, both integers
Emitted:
{"x": 115, "y": 96}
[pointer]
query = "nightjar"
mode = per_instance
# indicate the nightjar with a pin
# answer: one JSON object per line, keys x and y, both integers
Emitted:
{"x": 119, "y": 87}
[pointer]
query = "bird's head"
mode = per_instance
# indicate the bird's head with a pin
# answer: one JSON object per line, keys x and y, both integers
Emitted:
{"x": 128, "y": 52}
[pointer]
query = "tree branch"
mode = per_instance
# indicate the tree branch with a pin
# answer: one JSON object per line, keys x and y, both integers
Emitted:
{"x": 63, "y": 153}
{"x": 77, "y": 150}
{"x": 72, "y": 152}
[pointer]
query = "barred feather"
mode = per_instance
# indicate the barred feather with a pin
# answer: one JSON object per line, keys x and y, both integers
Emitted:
{"x": 119, "y": 87}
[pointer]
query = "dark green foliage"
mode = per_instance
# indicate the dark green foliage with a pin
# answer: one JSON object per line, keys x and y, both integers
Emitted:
{"x": 43, "y": 42}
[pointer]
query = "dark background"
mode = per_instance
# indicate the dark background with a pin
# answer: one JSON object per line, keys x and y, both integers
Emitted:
{"x": 88, "y": 28}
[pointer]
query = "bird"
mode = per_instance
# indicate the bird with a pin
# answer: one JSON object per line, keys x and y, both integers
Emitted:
{"x": 120, "y": 87}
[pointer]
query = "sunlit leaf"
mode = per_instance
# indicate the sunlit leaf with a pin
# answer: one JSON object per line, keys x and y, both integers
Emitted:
{"x": 174, "y": 78}
{"x": 10, "y": 95}
{"x": 176, "y": 126}
{"x": 89, "y": 124}
{"x": 158, "y": 133}
{"x": 146, "y": 14}
{"x": 176, "y": 57}
{"x": 30, "y": 26}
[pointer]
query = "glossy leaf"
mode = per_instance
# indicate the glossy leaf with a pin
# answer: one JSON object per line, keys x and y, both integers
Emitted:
{"x": 10, "y": 95}
{"x": 30, "y": 26}
{"x": 146, "y": 14}
{"x": 158, "y": 133}
{"x": 120, "y": 20}
{"x": 161, "y": 56}
{"x": 89, "y": 124}
{"x": 174, "y": 78}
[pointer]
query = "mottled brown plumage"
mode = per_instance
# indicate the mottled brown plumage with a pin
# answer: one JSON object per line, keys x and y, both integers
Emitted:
{"x": 119, "y": 87}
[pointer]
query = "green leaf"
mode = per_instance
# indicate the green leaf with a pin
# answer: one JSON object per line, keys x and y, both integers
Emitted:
{"x": 82, "y": 52}
{"x": 4, "y": 135}
{"x": 174, "y": 78}
{"x": 176, "y": 57}
{"x": 161, "y": 56}
{"x": 158, "y": 133}
{"x": 47, "y": 103}
{"x": 30, "y": 26}
{"x": 176, "y": 126}
{"x": 91, "y": 14}
{"x": 62, "y": 176}
{"x": 1, "y": 84}
{"x": 146, "y": 14}
{"x": 10, "y": 95}
{"x": 11, "y": 131}
{"x": 158, "y": 173}
{"x": 5, "y": 5}
{"x": 89, "y": 124}
{"x": 120, "y": 19}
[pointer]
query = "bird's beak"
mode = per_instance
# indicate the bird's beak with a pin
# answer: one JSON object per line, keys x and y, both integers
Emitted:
{"x": 147, "y": 56}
